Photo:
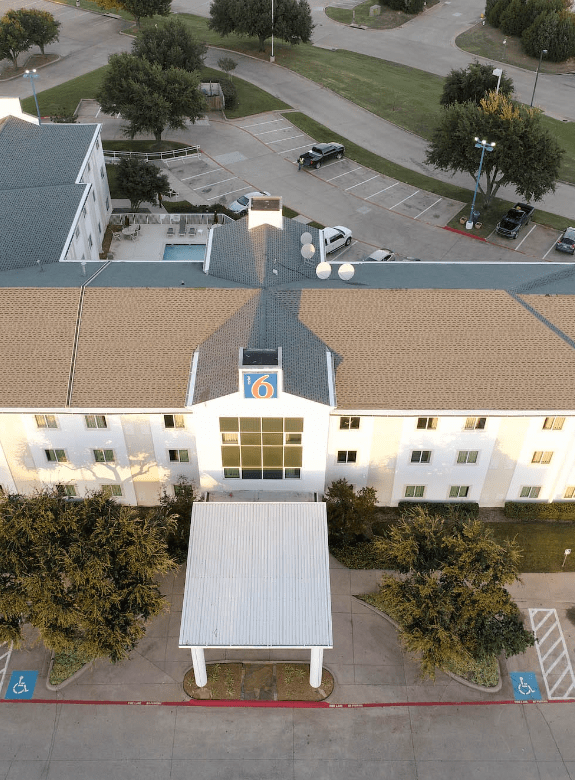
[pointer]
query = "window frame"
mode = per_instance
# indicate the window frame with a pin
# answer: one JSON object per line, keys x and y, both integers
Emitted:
{"x": 346, "y": 456}
{"x": 467, "y": 453}
{"x": 178, "y": 421}
{"x": 105, "y": 458}
{"x": 530, "y": 489}
{"x": 475, "y": 424}
{"x": 261, "y": 448}
{"x": 353, "y": 423}
{"x": 177, "y": 455}
{"x": 542, "y": 457}
{"x": 95, "y": 427}
{"x": 112, "y": 490}
{"x": 458, "y": 489}
{"x": 63, "y": 458}
{"x": 421, "y": 458}
{"x": 430, "y": 423}
{"x": 553, "y": 426}
{"x": 46, "y": 425}
{"x": 418, "y": 491}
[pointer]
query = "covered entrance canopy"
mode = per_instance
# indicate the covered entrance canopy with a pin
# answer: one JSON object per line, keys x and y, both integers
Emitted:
{"x": 257, "y": 577}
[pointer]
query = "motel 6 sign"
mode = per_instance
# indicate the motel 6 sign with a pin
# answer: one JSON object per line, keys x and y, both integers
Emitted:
{"x": 261, "y": 386}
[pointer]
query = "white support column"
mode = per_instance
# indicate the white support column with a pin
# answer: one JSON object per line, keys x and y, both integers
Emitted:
{"x": 315, "y": 668}
{"x": 199, "y": 663}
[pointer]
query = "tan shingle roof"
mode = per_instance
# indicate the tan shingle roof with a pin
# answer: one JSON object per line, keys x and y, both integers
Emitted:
{"x": 136, "y": 344}
{"x": 558, "y": 309}
{"x": 36, "y": 342}
{"x": 440, "y": 349}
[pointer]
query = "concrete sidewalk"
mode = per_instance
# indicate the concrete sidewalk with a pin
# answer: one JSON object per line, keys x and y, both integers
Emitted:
{"x": 367, "y": 662}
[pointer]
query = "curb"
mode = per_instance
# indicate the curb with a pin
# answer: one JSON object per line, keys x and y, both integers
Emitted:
{"x": 464, "y": 233}
{"x": 68, "y": 680}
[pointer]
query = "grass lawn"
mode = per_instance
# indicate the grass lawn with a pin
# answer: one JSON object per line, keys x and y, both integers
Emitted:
{"x": 542, "y": 546}
{"x": 88, "y": 5}
{"x": 66, "y": 96}
{"x": 251, "y": 99}
{"x": 385, "y": 20}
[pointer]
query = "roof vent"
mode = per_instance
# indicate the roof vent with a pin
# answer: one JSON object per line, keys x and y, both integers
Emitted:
{"x": 260, "y": 357}
{"x": 265, "y": 210}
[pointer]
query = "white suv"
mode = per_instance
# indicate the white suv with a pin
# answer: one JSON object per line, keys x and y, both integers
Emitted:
{"x": 336, "y": 237}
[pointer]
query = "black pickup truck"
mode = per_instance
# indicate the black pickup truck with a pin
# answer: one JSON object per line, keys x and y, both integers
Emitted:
{"x": 513, "y": 221}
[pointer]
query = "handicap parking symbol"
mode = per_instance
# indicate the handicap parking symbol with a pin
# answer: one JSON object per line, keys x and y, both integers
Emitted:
{"x": 21, "y": 685}
{"x": 525, "y": 686}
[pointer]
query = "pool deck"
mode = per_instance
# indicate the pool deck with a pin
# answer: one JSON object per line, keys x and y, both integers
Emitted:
{"x": 151, "y": 242}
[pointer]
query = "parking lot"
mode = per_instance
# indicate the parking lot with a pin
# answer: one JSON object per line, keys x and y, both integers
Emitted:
{"x": 534, "y": 240}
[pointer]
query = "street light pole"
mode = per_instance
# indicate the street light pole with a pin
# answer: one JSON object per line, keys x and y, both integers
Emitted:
{"x": 543, "y": 51}
{"x": 485, "y": 147}
{"x": 272, "y": 57}
{"x": 498, "y": 72}
{"x": 31, "y": 74}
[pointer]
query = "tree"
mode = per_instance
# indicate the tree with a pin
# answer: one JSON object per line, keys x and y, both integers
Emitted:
{"x": 149, "y": 98}
{"x": 140, "y": 181}
{"x": 227, "y": 64}
{"x": 349, "y": 514}
{"x": 554, "y": 31}
{"x": 171, "y": 46}
{"x": 473, "y": 83}
{"x": 84, "y": 573}
{"x": 525, "y": 155}
{"x": 139, "y": 9}
{"x": 41, "y": 27}
{"x": 175, "y": 514}
{"x": 14, "y": 37}
{"x": 292, "y": 19}
{"x": 450, "y": 600}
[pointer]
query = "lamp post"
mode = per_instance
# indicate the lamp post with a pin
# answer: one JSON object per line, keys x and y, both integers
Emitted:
{"x": 498, "y": 72}
{"x": 543, "y": 51}
{"x": 504, "y": 48}
{"x": 567, "y": 552}
{"x": 485, "y": 147}
{"x": 272, "y": 57}
{"x": 31, "y": 74}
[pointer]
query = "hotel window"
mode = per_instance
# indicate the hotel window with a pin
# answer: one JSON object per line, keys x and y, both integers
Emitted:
{"x": 93, "y": 196}
{"x": 77, "y": 232}
{"x": 421, "y": 456}
{"x": 414, "y": 491}
{"x": 174, "y": 421}
{"x": 261, "y": 447}
{"x": 104, "y": 456}
{"x": 90, "y": 242}
{"x": 569, "y": 492}
{"x": 84, "y": 212}
{"x": 530, "y": 491}
{"x": 89, "y": 167}
{"x": 427, "y": 423}
{"x": 467, "y": 456}
{"x": 475, "y": 423}
{"x": 102, "y": 172}
{"x": 56, "y": 456}
{"x": 541, "y": 457}
{"x": 70, "y": 491}
{"x": 553, "y": 423}
{"x": 95, "y": 421}
{"x": 459, "y": 491}
{"x": 348, "y": 423}
{"x": 46, "y": 421}
{"x": 97, "y": 143}
{"x": 347, "y": 456}
{"x": 179, "y": 456}
{"x": 111, "y": 490}
{"x": 99, "y": 228}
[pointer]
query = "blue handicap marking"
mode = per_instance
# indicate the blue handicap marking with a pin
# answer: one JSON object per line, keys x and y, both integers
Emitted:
{"x": 21, "y": 685}
{"x": 525, "y": 686}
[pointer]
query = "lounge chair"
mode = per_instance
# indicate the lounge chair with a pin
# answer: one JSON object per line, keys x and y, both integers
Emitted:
{"x": 182, "y": 230}
{"x": 192, "y": 231}
{"x": 171, "y": 231}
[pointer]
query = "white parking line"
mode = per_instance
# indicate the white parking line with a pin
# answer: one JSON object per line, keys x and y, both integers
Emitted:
{"x": 361, "y": 182}
{"x": 5, "y": 655}
{"x": 383, "y": 190}
{"x": 267, "y": 132}
{"x": 285, "y": 151}
{"x": 259, "y": 124}
{"x": 333, "y": 178}
{"x": 228, "y": 193}
{"x": 403, "y": 201}
{"x": 427, "y": 209}
{"x": 285, "y": 139}
{"x": 196, "y": 175}
{"x": 550, "y": 248}
{"x": 343, "y": 251}
{"x": 213, "y": 183}
{"x": 523, "y": 239}
{"x": 551, "y": 651}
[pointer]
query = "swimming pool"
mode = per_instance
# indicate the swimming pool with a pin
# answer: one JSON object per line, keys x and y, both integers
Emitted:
{"x": 193, "y": 253}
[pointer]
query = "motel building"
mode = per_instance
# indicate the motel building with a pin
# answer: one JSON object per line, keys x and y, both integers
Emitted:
{"x": 244, "y": 371}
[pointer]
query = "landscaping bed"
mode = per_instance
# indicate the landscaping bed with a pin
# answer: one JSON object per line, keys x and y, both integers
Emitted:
{"x": 64, "y": 665}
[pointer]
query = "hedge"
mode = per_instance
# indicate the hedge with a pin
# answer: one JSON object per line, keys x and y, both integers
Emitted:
{"x": 443, "y": 508}
{"x": 527, "y": 510}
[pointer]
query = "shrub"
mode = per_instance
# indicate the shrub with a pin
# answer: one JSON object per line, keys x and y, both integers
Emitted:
{"x": 349, "y": 514}
{"x": 442, "y": 509}
{"x": 512, "y": 19}
{"x": 494, "y": 9}
{"x": 552, "y": 31}
{"x": 526, "y": 510}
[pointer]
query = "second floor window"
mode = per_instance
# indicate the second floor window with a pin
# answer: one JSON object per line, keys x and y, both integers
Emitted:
{"x": 467, "y": 456}
{"x": 179, "y": 456}
{"x": 427, "y": 423}
{"x": 539, "y": 456}
{"x": 553, "y": 423}
{"x": 347, "y": 456}
{"x": 475, "y": 423}
{"x": 348, "y": 423}
{"x": 104, "y": 456}
{"x": 421, "y": 456}
{"x": 174, "y": 421}
{"x": 96, "y": 421}
{"x": 56, "y": 456}
{"x": 46, "y": 421}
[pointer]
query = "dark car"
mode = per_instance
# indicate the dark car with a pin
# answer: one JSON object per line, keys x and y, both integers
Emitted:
{"x": 319, "y": 153}
{"x": 566, "y": 242}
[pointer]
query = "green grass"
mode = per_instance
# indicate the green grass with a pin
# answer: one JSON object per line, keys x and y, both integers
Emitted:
{"x": 541, "y": 545}
{"x": 251, "y": 99}
{"x": 67, "y": 664}
{"x": 88, "y": 5}
{"x": 385, "y": 20}
{"x": 142, "y": 146}
{"x": 66, "y": 96}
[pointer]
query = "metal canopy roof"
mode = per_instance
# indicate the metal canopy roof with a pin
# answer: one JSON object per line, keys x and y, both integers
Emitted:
{"x": 257, "y": 576}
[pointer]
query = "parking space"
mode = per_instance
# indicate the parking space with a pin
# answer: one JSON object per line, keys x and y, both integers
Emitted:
{"x": 211, "y": 182}
{"x": 534, "y": 240}
{"x": 552, "y": 653}
{"x": 5, "y": 653}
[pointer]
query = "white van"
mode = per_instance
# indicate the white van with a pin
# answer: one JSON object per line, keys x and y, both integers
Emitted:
{"x": 336, "y": 237}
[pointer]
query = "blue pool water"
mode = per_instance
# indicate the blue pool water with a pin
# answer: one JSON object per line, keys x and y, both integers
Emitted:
{"x": 190, "y": 252}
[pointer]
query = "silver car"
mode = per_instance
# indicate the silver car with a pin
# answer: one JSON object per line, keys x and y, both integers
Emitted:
{"x": 566, "y": 241}
{"x": 242, "y": 204}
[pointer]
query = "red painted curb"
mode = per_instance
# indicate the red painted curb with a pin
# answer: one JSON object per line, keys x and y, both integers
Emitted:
{"x": 464, "y": 233}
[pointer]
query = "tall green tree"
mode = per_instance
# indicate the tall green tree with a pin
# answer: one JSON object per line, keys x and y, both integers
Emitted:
{"x": 14, "y": 36}
{"x": 525, "y": 156}
{"x": 140, "y": 181}
{"x": 139, "y": 9}
{"x": 41, "y": 27}
{"x": 450, "y": 600}
{"x": 553, "y": 31}
{"x": 349, "y": 514}
{"x": 171, "y": 46}
{"x": 292, "y": 19}
{"x": 472, "y": 84}
{"x": 84, "y": 573}
{"x": 148, "y": 98}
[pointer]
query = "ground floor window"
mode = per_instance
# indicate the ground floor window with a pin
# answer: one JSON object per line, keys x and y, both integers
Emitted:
{"x": 414, "y": 491}
{"x": 261, "y": 447}
{"x": 530, "y": 491}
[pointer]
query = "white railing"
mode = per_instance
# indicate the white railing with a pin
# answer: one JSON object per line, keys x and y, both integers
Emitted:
{"x": 171, "y": 154}
{"x": 169, "y": 219}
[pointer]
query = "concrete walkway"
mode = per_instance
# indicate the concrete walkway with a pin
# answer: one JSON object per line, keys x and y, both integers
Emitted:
{"x": 367, "y": 662}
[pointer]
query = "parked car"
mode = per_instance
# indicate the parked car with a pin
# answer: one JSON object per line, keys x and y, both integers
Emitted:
{"x": 319, "y": 153}
{"x": 514, "y": 220}
{"x": 566, "y": 242}
{"x": 242, "y": 204}
{"x": 336, "y": 237}
{"x": 380, "y": 256}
